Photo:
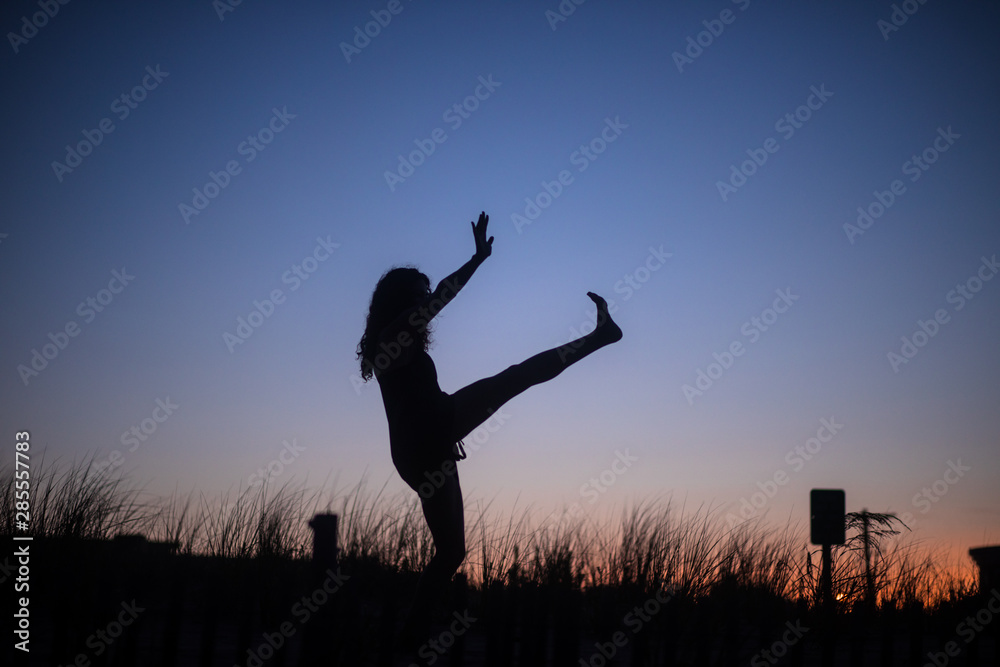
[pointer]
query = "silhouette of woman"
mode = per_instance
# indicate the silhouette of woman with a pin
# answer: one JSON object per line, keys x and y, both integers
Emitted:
{"x": 426, "y": 425}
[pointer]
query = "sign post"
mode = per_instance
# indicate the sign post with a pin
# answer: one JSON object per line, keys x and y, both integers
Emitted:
{"x": 827, "y": 527}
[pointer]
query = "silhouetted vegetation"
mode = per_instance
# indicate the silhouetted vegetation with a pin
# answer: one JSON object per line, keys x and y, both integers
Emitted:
{"x": 579, "y": 576}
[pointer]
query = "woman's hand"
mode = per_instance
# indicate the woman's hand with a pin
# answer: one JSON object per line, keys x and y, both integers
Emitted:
{"x": 484, "y": 248}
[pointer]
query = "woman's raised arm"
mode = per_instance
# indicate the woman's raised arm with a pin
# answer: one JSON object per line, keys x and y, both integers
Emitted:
{"x": 449, "y": 288}
{"x": 419, "y": 316}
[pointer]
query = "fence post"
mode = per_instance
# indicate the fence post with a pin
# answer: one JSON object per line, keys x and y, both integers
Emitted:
{"x": 321, "y": 640}
{"x": 324, "y": 528}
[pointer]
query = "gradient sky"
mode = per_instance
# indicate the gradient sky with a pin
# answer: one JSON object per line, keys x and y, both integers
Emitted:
{"x": 888, "y": 96}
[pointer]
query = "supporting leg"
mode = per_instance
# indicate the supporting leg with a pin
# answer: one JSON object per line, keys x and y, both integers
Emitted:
{"x": 444, "y": 512}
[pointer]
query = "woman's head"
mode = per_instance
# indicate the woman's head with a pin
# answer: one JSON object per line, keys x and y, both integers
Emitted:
{"x": 398, "y": 289}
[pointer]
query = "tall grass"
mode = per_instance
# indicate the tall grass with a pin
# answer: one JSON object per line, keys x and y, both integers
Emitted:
{"x": 75, "y": 500}
{"x": 652, "y": 544}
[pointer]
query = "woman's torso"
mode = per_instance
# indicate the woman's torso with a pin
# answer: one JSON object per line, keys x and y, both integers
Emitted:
{"x": 419, "y": 413}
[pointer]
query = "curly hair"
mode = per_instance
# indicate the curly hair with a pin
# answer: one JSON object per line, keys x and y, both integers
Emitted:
{"x": 391, "y": 297}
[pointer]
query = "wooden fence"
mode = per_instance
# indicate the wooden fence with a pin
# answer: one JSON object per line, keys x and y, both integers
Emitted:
{"x": 130, "y": 602}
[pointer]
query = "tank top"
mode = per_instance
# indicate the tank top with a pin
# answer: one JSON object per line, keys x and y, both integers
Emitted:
{"x": 419, "y": 413}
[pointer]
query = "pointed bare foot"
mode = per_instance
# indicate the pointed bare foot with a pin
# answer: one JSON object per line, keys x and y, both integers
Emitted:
{"x": 606, "y": 330}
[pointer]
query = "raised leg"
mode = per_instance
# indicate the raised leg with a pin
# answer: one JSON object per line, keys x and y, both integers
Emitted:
{"x": 475, "y": 403}
{"x": 444, "y": 509}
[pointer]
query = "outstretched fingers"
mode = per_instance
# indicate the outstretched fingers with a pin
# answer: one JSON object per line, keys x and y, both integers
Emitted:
{"x": 483, "y": 245}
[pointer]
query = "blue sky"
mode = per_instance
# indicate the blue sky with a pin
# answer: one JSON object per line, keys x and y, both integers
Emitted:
{"x": 327, "y": 131}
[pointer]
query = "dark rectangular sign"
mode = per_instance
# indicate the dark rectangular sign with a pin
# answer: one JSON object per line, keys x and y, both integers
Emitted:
{"x": 826, "y": 509}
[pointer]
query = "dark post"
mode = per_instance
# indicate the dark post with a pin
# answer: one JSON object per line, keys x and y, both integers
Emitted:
{"x": 324, "y": 541}
{"x": 320, "y": 644}
{"x": 827, "y": 527}
{"x": 988, "y": 560}
{"x": 826, "y": 576}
